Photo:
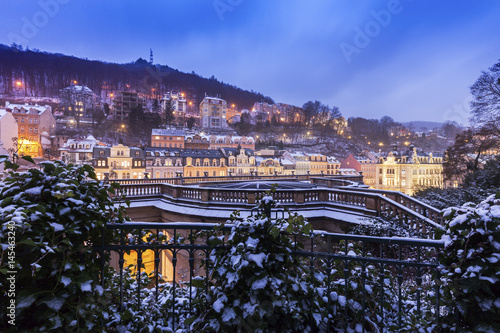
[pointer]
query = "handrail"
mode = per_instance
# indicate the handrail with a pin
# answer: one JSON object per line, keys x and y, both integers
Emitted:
{"x": 195, "y": 180}
{"x": 401, "y": 194}
{"x": 362, "y": 201}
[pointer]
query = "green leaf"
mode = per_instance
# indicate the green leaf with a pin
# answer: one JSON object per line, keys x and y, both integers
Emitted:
{"x": 28, "y": 158}
{"x": 6, "y": 201}
{"x": 28, "y": 242}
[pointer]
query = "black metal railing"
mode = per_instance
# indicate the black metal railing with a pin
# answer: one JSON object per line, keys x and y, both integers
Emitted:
{"x": 365, "y": 273}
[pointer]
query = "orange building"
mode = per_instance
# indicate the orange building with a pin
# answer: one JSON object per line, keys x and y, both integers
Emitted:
{"x": 167, "y": 138}
{"x": 32, "y": 121}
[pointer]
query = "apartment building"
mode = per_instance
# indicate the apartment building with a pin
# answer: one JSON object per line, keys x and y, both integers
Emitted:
{"x": 199, "y": 163}
{"x": 167, "y": 138}
{"x": 300, "y": 160}
{"x": 179, "y": 106}
{"x": 228, "y": 141}
{"x": 213, "y": 112}
{"x": 240, "y": 162}
{"x": 119, "y": 162}
{"x": 32, "y": 121}
{"x": 366, "y": 165}
{"x": 124, "y": 102}
{"x": 332, "y": 166}
{"x": 78, "y": 151}
{"x": 8, "y": 131}
{"x": 318, "y": 164}
{"x": 77, "y": 101}
{"x": 408, "y": 172}
{"x": 164, "y": 162}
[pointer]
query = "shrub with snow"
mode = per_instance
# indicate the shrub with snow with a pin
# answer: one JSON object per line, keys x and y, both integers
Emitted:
{"x": 254, "y": 282}
{"x": 55, "y": 213}
{"x": 470, "y": 266}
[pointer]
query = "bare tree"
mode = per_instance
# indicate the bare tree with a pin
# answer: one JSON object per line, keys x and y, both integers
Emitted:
{"x": 485, "y": 105}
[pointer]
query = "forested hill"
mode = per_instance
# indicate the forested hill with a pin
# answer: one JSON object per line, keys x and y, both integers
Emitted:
{"x": 44, "y": 74}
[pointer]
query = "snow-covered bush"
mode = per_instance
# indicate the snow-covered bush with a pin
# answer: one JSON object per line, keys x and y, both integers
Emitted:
{"x": 385, "y": 226}
{"x": 470, "y": 266}
{"x": 54, "y": 215}
{"x": 365, "y": 291}
{"x": 449, "y": 197}
{"x": 152, "y": 315}
{"x": 255, "y": 283}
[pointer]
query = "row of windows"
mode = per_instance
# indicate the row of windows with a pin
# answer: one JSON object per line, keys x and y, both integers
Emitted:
{"x": 198, "y": 174}
{"x": 170, "y": 145}
{"x": 415, "y": 171}
{"x": 167, "y": 162}
{"x": 80, "y": 146}
{"x": 31, "y": 129}
{"x": 30, "y": 120}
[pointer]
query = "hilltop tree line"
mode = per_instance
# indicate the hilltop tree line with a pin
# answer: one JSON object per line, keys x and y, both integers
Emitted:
{"x": 44, "y": 74}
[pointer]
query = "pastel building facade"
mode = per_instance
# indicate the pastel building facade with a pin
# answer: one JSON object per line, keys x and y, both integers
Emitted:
{"x": 32, "y": 121}
{"x": 213, "y": 111}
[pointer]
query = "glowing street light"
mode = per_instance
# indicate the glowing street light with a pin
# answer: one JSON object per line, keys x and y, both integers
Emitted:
{"x": 75, "y": 82}
{"x": 19, "y": 84}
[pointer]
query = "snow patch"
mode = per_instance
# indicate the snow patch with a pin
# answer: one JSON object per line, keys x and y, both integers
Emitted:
{"x": 257, "y": 258}
{"x": 57, "y": 226}
{"x": 259, "y": 284}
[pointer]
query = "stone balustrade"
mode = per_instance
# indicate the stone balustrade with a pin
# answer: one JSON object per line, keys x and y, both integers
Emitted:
{"x": 416, "y": 214}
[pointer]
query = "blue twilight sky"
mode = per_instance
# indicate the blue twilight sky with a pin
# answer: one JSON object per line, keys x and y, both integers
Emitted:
{"x": 410, "y": 60}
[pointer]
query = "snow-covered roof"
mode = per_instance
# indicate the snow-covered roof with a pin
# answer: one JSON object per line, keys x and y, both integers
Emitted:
{"x": 73, "y": 144}
{"x": 346, "y": 172}
{"x": 79, "y": 88}
{"x": 286, "y": 161}
{"x": 45, "y": 141}
{"x": 167, "y": 131}
{"x": 214, "y": 98}
{"x": 27, "y": 107}
{"x": 332, "y": 160}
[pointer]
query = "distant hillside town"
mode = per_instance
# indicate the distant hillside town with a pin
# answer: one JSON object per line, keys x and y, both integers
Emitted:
{"x": 173, "y": 126}
{"x": 125, "y": 134}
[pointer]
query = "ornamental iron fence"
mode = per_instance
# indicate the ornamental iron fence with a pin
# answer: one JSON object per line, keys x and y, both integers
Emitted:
{"x": 371, "y": 280}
